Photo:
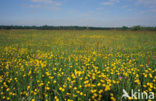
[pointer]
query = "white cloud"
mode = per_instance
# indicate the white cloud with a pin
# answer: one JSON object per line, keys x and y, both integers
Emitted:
{"x": 42, "y": 1}
{"x": 50, "y": 4}
{"x": 99, "y": 8}
{"x": 34, "y": 6}
{"x": 124, "y": 6}
{"x": 150, "y": 4}
{"x": 147, "y": 2}
{"x": 47, "y": 2}
{"x": 110, "y": 2}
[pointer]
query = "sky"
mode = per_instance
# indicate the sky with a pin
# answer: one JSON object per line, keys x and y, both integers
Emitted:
{"x": 98, "y": 13}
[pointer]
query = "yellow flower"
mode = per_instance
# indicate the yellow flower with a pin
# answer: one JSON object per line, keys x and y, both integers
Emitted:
{"x": 3, "y": 97}
{"x": 69, "y": 100}
{"x": 7, "y": 89}
{"x": 98, "y": 84}
{"x": 77, "y": 91}
{"x": 94, "y": 52}
{"x": 150, "y": 75}
{"x": 74, "y": 95}
{"x": 28, "y": 87}
{"x": 8, "y": 98}
{"x": 60, "y": 88}
{"x": 81, "y": 93}
{"x": 47, "y": 88}
{"x": 130, "y": 98}
{"x": 100, "y": 91}
{"x": 54, "y": 81}
{"x": 56, "y": 98}
{"x": 113, "y": 99}
{"x": 107, "y": 88}
{"x": 75, "y": 88}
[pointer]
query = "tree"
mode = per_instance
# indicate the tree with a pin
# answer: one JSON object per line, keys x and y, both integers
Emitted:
{"x": 136, "y": 28}
{"x": 124, "y": 28}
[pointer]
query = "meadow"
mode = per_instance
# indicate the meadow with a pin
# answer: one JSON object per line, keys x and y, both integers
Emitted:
{"x": 76, "y": 65}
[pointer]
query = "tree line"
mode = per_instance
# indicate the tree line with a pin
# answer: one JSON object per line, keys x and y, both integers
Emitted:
{"x": 46, "y": 27}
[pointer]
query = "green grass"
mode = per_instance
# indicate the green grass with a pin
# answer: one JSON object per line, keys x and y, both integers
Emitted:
{"x": 75, "y": 64}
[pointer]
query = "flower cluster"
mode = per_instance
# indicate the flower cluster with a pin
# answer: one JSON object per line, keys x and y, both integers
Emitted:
{"x": 74, "y": 67}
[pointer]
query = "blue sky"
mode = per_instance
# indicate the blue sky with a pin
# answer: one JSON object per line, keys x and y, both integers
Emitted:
{"x": 106, "y": 13}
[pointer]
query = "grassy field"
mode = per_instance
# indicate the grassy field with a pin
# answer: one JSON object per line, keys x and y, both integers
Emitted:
{"x": 53, "y": 65}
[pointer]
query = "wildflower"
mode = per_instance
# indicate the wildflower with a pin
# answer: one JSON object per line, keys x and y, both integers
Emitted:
{"x": 54, "y": 81}
{"x": 120, "y": 78}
